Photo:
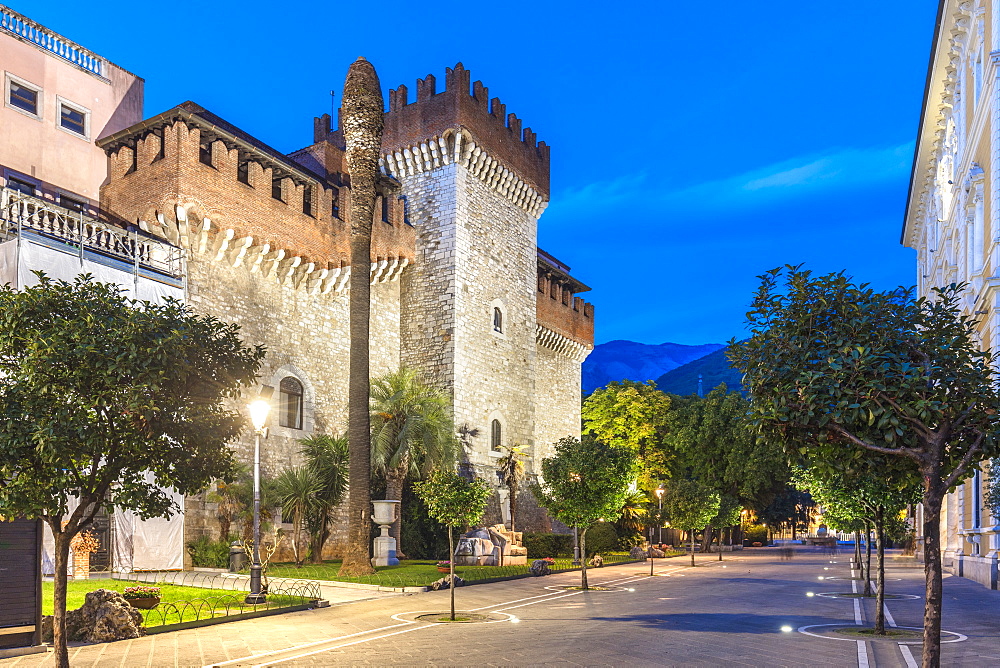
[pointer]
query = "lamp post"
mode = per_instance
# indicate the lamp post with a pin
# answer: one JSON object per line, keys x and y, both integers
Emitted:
{"x": 659, "y": 495}
{"x": 259, "y": 409}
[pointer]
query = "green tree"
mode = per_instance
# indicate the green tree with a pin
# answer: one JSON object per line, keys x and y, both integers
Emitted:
{"x": 842, "y": 372}
{"x": 412, "y": 434}
{"x": 112, "y": 402}
{"x": 584, "y": 481}
{"x": 690, "y": 505}
{"x": 455, "y": 502}
{"x": 628, "y": 414}
{"x": 295, "y": 491}
{"x": 327, "y": 457}
{"x": 510, "y": 466}
{"x": 730, "y": 511}
{"x": 361, "y": 109}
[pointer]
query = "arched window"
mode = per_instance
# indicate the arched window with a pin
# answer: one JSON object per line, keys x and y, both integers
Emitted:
{"x": 290, "y": 403}
{"x": 496, "y": 435}
{"x": 497, "y": 320}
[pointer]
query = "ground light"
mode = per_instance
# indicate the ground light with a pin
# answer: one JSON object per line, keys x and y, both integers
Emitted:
{"x": 809, "y": 593}
{"x": 786, "y": 629}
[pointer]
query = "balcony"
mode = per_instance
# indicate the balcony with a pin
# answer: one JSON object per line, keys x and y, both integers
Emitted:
{"x": 25, "y": 29}
{"x": 37, "y": 220}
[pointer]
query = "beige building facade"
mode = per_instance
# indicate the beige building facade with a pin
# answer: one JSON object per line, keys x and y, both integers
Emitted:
{"x": 953, "y": 222}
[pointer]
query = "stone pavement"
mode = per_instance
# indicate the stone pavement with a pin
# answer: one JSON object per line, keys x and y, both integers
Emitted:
{"x": 728, "y": 613}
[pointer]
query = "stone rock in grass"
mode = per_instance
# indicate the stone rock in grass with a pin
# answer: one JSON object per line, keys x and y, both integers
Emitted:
{"x": 637, "y": 553}
{"x": 444, "y": 583}
{"x": 539, "y": 567}
{"x": 105, "y": 616}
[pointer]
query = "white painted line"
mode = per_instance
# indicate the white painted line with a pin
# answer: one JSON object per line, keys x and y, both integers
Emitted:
{"x": 907, "y": 656}
{"x": 348, "y": 644}
{"x": 303, "y": 646}
{"x": 888, "y": 615}
{"x": 862, "y": 654}
{"x": 857, "y": 603}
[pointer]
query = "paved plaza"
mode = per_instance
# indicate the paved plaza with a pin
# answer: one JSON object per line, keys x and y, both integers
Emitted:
{"x": 752, "y": 609}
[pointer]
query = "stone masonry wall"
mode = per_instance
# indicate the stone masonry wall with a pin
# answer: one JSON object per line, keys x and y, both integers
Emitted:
{"x": 306, "y": 336}
{"x": 557, "y": 400}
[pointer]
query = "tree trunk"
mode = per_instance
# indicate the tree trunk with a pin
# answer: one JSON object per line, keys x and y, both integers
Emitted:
{"x": 394, "y": 481}
{"x": 583, "y": 559}
{"x": 857, "y": 549}
{"x": 868, "y": 561}
{"x": 362, "y": 109}
{"x": 706, "y": 540}
{"x": 318, "y": 541}
{"x": 692, "y": 547}
{"x": 793, "y": 531}
{"x": 880, "y": 572}
{"x": 451, "y": 570}
{"x": 720, "y": 543}
{"x": 62, "y": 540}
{"x": 933, "y": 497}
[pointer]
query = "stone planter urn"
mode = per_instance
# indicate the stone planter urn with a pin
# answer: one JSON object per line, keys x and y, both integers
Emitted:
{"x": 145, "y": 603}
{"x": 385, "y": 545}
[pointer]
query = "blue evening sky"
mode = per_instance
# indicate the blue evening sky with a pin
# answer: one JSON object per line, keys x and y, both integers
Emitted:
{"x": 694, "y": 145}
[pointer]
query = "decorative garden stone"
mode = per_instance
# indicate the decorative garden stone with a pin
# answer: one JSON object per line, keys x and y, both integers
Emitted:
{"x": 539, "y": 567}
{"x": 445, "y": 583}
{"x": 105, "y": 616}
{"x": 637, "y": 553}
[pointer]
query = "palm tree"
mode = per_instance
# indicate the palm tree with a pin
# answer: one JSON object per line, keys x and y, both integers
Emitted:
{"x": 412, "y": 434}
{"x": 296, "y": 490}
{"x": 634, "y": 511}
{"x": 361, "y": 111}
{"x": 327, "y": 456}
{"x": 511, "y": 469}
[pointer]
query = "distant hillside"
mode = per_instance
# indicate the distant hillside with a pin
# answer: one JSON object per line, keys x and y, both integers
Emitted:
{"x": 628, "y": 360}
{"x": 714, "y": 369}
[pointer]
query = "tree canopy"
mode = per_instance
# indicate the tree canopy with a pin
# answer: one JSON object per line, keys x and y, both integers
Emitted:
{"x": 112, "y": 403}
{"x": 626, "y": 414}
{"x": 842, "y": 374}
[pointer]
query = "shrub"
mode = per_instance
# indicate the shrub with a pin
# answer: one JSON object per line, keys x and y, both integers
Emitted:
{"x": 601, "y": 539}
{"x": 544, "y": 544}
{"x": 208, "y": 553}
{"x": 627, "y": 539}
{"x": 756, "y": 534}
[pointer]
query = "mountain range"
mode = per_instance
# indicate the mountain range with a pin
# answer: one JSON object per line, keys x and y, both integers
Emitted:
{"x": 628, "y": 360}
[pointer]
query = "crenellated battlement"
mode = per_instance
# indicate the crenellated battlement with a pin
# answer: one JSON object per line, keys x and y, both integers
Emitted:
{"x": 466, "y": 104}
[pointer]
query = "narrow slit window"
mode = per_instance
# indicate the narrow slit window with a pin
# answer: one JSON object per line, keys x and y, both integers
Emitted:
{"x": 385, "y": 209}
{"x": 276, "y": 189}
{"x": 161, "y": 152}
{"x": 497, "y": 320}
{"x": 335, "y": 204}
{"x": 290, "y": 403}
{"x": 496, "y": 435}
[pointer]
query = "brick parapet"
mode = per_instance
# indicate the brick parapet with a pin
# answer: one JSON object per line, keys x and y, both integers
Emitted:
{"x": 160, "y": 179}
{"x": 458, "y": 107}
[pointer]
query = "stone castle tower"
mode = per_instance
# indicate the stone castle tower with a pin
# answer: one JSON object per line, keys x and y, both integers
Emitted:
{"x": 461, "y": 292}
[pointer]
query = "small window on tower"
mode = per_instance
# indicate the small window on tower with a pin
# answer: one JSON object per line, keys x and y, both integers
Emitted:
{"x": 497, "y": 320}
{"x": 276, "y": 189}
{"x": 496, "y": 435}
{"x": 335, "y": 206}
{"x": 290, "y": 403}
{"x": 385, "y": 209}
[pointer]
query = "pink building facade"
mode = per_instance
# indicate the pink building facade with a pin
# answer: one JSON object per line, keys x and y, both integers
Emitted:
{"x": 58, "y": 99}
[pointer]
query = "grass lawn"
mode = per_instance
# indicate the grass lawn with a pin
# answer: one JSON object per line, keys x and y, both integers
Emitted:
{"x": 177, "y": 603}
{"x": 417, "y": 573}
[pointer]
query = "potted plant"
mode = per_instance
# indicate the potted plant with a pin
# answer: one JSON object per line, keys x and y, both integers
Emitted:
{"x": 444, "y": 566}
{"x": 144, "y": 598}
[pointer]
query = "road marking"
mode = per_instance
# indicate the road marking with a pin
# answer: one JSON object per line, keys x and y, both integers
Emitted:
{"x": 857, "y": 602}
{"x": 348, "y": 644}
{"x": 907, "y": 656}
{"x": 862, "y": 654}
{"x": 244, "y": 659}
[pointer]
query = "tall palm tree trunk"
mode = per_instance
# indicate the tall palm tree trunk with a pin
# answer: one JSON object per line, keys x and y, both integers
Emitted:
{"x": 362, "y": 110}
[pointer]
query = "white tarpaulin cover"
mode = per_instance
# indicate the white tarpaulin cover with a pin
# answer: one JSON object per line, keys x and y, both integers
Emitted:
{"x": 155, "y": 544}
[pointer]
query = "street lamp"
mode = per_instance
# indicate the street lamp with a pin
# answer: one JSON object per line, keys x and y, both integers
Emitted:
{"x": 659, "y": 495}
{"x": 259, "y": 408}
